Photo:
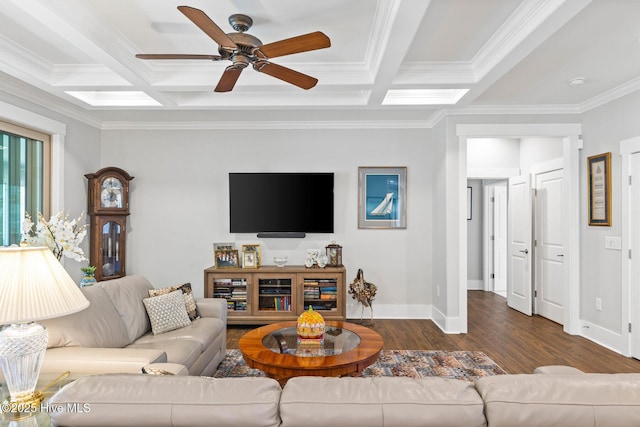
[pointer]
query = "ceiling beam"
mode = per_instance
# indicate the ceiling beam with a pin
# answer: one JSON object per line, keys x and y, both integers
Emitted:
{"x": 398, "y": 25}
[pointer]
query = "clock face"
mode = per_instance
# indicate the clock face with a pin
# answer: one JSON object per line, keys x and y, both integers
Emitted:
{"x": 111, "y": 193}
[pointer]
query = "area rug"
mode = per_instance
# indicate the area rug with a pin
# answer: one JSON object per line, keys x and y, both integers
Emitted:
{"x": 460, "y": 365}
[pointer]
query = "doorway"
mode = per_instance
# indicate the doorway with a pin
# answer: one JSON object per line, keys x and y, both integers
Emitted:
{"x": 495, "y": 239}
{"x": 630, "y": 174}
{"x": 571, "y": 143}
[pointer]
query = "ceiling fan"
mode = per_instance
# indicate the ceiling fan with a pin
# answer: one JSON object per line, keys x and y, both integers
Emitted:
{"x": 243, "y": 49}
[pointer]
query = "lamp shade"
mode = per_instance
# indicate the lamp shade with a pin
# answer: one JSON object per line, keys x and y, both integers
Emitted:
{"x": 35, "y": 286}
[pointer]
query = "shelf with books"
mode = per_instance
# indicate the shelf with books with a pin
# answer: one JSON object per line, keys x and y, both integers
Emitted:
{"x": 235, "y": 288}
{"x": 272, "y": 294}
{"x": 321, "y": 294}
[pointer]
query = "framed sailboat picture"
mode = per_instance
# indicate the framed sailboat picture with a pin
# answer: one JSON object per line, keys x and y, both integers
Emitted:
{"x": 382, "y": 197}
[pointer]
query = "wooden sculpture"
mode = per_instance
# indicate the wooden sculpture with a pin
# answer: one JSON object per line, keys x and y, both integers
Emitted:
{"x": 364, "y": 292}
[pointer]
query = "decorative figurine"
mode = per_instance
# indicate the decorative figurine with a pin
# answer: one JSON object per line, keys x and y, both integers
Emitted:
{"x": 364, "y": 292}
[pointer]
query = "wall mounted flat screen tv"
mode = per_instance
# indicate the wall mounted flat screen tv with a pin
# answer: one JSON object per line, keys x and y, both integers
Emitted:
{"x": 281, "y": 203}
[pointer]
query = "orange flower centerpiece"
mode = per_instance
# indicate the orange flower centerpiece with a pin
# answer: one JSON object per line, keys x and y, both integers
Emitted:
{"x": 310, "y": 328}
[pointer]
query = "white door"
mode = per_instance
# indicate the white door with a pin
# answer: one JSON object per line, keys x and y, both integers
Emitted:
{"x": 519, "y": 245}
{"x": 500, "y": 238}
{"x": 634, "y": 231}
{"x": 549, "y": 249}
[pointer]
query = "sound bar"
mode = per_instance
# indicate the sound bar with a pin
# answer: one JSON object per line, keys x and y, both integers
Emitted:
{"x": 282, "y": 235}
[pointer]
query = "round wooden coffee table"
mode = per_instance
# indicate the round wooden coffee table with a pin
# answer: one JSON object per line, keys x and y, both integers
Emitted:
{"x": 348, "y": 349}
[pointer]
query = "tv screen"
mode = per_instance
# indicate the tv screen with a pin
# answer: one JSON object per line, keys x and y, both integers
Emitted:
{"x": 281, "y": 202}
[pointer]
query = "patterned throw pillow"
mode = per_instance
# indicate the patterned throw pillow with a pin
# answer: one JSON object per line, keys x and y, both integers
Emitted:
{"x": 167, "y": 312}
{"x": 189, "y": 300}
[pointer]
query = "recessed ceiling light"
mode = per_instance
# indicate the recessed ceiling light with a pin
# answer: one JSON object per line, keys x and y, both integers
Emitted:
{"x": 111, "y": 98}
{"x": 576, "y": 81}
{"x": 423, "y": 96}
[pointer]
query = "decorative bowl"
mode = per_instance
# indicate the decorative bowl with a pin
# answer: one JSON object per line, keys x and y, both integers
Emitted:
{"x": 280, "y": 261}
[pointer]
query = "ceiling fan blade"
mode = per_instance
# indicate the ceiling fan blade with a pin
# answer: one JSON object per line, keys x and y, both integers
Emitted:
{"x": 205, "y": 23}
{"x": 303, "y": 43}
{"x": 286, "y": 74}
{"x": 176, "y": 56}
{"x": 228, "y": 79}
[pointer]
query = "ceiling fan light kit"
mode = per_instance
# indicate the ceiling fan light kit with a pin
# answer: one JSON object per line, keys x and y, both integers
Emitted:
{"x": 244, "y": 49}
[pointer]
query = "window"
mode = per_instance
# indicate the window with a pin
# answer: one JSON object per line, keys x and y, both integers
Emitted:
{"x": 25, "y": 165}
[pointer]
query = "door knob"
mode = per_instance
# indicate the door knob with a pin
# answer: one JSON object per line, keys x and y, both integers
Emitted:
{"x": 560, "y": 255}
{"x": 524, "y": 251}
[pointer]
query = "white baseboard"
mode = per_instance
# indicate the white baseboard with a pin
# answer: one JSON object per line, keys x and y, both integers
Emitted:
{"x": 604, "y": 337}
{"x": 475, "y": 285}
{"x": 448, "y": 324}
{"x": 390, "y": 311}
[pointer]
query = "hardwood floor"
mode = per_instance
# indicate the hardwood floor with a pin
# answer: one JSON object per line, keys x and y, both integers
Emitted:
{"x": 516, "y": 342}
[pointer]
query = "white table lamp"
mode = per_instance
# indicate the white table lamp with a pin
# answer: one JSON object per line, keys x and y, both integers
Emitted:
{"x": 33, "y": 286}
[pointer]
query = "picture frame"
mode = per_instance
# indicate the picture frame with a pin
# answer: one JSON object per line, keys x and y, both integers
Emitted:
{"x": 226, "y": 258}
{"x": 469, "y": 205}
{"x": 599, "y": 170}
{"x": 253, "y": 247}
{"x": 249, "y": 259}
{"x": 382, "y": 197}
{"x": 224, "y": 246}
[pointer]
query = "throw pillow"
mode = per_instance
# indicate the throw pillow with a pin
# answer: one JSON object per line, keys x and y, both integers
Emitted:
{"x": 154, "y": 371}
{"x": 167, "y": 312}
{"x": 189, "y": 300}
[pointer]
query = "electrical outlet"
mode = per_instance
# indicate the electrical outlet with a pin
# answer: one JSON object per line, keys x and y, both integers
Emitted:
{"x": 599, "y": 304}
{"x": 438, "y": 291}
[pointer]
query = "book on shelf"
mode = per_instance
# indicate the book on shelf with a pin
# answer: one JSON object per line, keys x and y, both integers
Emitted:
{"x": 282, "y": 303}
{"x": 237, "y": 305}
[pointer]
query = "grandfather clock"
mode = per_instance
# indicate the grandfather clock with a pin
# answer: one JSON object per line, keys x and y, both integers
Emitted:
{"x": 108, "y": 210}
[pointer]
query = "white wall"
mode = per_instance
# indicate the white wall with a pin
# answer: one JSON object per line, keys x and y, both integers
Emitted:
{"x": 493, "y": 153}
{"x": 603, "y": 129}
{"x": 179, "y": 203}
{"x": 538, "y": 150}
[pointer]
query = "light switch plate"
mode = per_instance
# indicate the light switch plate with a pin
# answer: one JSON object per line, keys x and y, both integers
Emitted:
{"x": 614, "y": 243}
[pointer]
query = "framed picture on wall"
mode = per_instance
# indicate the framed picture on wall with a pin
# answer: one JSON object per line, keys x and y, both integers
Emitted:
{"x": 382, "y": 197}
{"x": 599, "y": 169}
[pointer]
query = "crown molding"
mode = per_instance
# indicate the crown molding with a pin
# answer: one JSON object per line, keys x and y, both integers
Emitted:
{"x": 15, "y": 60}
{"x": 50, "y": 102}
{"x": 611, "y": 95}
{"x": 268, "y": 125}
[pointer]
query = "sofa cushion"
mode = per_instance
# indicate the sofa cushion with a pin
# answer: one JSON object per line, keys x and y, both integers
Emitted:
{"x": 167, "y": 312}
{"x": 561, "y": 400}
{"x": 203, "y": 330}
{"x": 187, "y": 294}
{"x": 126, "y": 295}
{"x": 99, "y": 325}
{"x": 82, "y": 361}
{"x": 380, "y": 401}
{"x": 184, "y": 352}
{"x": 151, "y": 400}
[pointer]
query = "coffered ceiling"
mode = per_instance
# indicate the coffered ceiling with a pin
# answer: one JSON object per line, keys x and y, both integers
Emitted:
{"x": 389, "y": 59}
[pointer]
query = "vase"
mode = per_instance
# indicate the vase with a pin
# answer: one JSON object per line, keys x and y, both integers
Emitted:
{"x": 87, "y": 280}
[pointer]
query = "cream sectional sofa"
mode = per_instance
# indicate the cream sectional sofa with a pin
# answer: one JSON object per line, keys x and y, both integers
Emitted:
{"x": 114, "y": 334}
{"x": 559, "y": 398}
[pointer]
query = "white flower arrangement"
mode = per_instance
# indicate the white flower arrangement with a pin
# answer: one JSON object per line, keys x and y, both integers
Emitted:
{"x": 59, "y": 234}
